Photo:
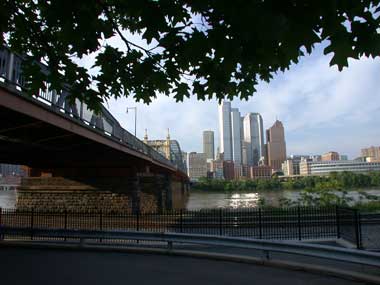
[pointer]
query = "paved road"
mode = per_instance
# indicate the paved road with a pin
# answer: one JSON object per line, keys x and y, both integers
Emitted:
{"x": 37, "y": 266}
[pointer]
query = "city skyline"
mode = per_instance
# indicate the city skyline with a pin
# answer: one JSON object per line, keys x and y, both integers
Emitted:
{"x": 340, "y": 106}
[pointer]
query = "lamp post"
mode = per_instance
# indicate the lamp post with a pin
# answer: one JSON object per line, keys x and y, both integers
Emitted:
{"x": 133, "y": 108}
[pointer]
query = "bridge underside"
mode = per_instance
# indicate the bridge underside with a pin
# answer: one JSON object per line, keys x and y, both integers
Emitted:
{"x": 32, "y": 135}
{"x": 37, "y": 144}
{"x": 53, "y": 144}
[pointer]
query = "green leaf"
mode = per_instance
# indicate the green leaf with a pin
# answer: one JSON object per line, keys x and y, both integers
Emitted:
{"x": 224, "y": 46}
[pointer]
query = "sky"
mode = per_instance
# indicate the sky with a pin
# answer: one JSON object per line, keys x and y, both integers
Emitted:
{"x": 321, "y": 108}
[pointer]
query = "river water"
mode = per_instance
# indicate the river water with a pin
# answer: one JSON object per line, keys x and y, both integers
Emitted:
{"x": 208, "y": 200}
{"x": 8, "y": 199}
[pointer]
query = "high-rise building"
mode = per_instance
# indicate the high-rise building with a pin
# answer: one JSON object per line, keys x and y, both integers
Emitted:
{"x": 225, "y": 130}
{"x": 217, "y": 168}
{"x": 276, "y": 147}
{"x": 228, "y": 170}
{"x": 254, "y": 137}
{"x": 371, "y": 153}
{"x": 245, "y": 152}
{"x": 331, "y": 155}
{"x": 243, "y": 144}
{"x": 197, "y": 165}
{"x": 208, "y": 144}
{"x": 236, "y": 136}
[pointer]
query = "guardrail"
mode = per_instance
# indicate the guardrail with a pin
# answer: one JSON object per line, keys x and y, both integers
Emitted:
{"x": 266, "y": 246}
{"x": 11, "y": 77}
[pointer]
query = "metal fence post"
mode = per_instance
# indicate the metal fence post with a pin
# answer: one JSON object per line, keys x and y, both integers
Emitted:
{"x": 181, "y": 220}
{"x": 337, "y": 221}
{"x": 81, "y": 111}
{"x": 101, "y": 223}
{"x": 138, "y": 220}
{"x": 10, "y": 67}
{"x": 65, "y": 221}
{"x": 220, "y": 221}
{"x": 357, "y": 229}
{"x": 31, "y": 224}
{"x": 299, "y": 222}
{"x": 260, "y": 224}
{"x": 1, "y": 224}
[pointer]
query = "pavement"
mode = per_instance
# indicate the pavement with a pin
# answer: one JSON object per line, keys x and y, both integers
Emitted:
{"x": 57, "y": 266}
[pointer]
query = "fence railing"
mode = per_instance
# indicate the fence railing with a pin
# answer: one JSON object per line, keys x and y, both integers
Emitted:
{"x": 11, "y": 77}
{"x": 299, "y": 223}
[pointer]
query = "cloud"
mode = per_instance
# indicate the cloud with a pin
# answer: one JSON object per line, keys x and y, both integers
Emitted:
{"x": 322, "y": 109}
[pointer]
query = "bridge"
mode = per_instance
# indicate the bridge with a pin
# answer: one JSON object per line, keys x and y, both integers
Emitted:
{"x": 69, "y": 148}
{"x": 169, "y": 148}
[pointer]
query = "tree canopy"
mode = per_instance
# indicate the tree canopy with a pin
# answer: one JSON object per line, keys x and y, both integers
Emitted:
{"x": 208, "y": 48}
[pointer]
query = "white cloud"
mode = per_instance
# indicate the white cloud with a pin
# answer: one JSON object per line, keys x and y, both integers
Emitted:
{"x": 322, "y": 109}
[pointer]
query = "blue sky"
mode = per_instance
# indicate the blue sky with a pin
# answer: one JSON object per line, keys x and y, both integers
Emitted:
{"x": 321, "y": 108}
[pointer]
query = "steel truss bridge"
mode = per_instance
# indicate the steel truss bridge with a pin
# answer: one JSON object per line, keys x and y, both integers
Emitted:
{"x": 54, "y": 124}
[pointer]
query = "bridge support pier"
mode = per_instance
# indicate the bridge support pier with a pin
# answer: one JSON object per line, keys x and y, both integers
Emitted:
{"x": 168, "y": 190}
{"x": 144, "y": 192}
{"x": 159, "y": 194}
{"x": 136, "y": 190}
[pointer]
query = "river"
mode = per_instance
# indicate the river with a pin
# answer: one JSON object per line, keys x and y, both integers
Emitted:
{"x": 8, "y": 199}
{"x": 208, "y": 200}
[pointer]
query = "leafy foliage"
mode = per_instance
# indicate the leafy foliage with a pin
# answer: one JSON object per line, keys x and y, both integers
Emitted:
{"x": 209, "y": 48}
{"x": 336, "y": 181}
{"x": 315, "y": 190}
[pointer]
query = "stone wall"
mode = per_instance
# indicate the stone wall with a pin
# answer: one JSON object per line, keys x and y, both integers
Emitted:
{"x": 151, "y": 194}
{"x": 81, "y": 201}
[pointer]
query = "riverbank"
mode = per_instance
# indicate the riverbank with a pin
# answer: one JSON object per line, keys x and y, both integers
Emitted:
{"x": 335, "y": 181}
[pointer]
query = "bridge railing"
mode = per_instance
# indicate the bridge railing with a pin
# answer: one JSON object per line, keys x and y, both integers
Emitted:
{"x": 11, "y": 76}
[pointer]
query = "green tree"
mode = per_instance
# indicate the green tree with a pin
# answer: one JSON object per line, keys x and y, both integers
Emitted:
{"x": 209, "y": 48}
{"x": 375, "y": 178}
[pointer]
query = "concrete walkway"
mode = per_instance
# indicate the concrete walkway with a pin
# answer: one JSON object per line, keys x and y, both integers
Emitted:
{"x": 54, "y": 266}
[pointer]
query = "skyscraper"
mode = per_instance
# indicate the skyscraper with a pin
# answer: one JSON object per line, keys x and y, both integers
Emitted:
{"x": 254, "y": 137}
{"x": 372, "y": 153}
{"x": 236, "y": 137}
{"x": 197, "y": 165}
{"x": 208, "y": 144}
{"x": 276, "y": 147}
{"x": 225, "y": 130}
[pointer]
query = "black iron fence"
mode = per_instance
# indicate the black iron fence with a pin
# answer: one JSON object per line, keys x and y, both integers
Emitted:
{"x": 348, "y": 225}
{"x": 298, "y": 223}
